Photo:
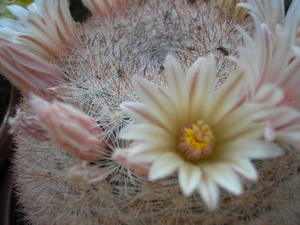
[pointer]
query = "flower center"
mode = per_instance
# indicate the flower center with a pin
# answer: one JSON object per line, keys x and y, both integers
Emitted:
{"x": 196, "y": 141}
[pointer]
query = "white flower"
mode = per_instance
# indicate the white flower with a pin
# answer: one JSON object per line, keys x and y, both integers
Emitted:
{"x": 269, "y": 58}
{"x": 205, "y": 135}
{"x": 48, "y": 26}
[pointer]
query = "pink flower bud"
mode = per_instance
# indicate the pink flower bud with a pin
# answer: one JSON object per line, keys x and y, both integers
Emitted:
{"x": 71, "y": 129}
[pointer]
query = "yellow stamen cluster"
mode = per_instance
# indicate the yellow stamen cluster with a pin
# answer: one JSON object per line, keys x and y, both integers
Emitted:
{"x": 196, "y": 141}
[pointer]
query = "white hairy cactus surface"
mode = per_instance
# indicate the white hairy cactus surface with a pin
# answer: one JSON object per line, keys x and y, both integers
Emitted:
{"x": 113, "y": 49}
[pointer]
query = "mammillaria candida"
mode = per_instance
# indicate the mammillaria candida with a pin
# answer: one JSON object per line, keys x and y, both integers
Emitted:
{"x": 183, "y": 111}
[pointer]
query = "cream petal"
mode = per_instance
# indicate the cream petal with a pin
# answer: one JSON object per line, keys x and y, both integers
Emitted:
{"x": 242, "y": 129}
{"x": 247, "y": 39}
{"x": 150, "y": 94}
{"x": 147, "y": 155}
{"x": 49, "y": 25}
{"x": 274, "y": 13}
{"x": 147, "y": 132}
{"x": 141, "y": 114}
{"x": 47, "y": 11}
{"x": 38, "y": 4}
{"x": 165, "y": 166}
{"x": 31, "y": 73}
{"x": 294, "y": 10}
{"x": 282, "y": 52}
{"x": 266, "y": 47}
{"x": 146, "y": 152}
{"x": 60, "y": 20}
{"x": 226, "y": 98}
{"x": 209, "y": 192}
{"x": 256, "y": 56}
{"x": 201, "y": 85}
{"x": 18, "y": 11}
{"x": 289, "y": 140}
{"x": 223, "y": 175}
{"x": 233, "y": 122}
{"x": 156, "y": 100}
{"x": 17, "y": 77}
{"x": 290, "y": 80}
{"x": 269, "y": 94}
{"x": 189, "y": 177}
{"x": 250, "y": 148}
{"x": 252, "y": 8}
{"x": 260, "y": 46}
{"x": 280, "y": 118}
{"x": 33, "y": 8}
{"x": 39, "y": 29}
{"x": 139, "y": 153}
{"x": 244, "y": 167}
{"x": 36, "y": 44}
{"x": 252, "y": 73}
{"x": 293, "y": 126}
{"x": 287, "y": 136}
{"x": 269, "y": 12}
{"x": 34, "y": 62}
{"x": 11, "y": 28}
{"x": 177, "y": 86}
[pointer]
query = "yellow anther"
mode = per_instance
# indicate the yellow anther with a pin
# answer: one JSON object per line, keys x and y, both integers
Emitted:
{"x": 196, "y": 141}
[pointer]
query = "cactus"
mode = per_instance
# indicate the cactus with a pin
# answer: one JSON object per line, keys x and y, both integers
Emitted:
{"x": 113, "y": 48}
